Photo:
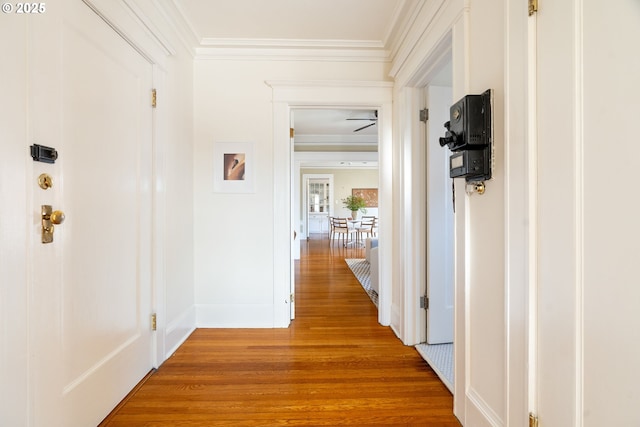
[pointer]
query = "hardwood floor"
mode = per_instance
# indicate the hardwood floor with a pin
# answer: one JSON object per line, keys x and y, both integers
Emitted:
{"x": 335, "y": 365}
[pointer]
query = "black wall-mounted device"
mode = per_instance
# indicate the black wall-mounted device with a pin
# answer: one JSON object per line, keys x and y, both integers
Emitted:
{"x": 469, "y": 136}
{"x": 40, "y": 153}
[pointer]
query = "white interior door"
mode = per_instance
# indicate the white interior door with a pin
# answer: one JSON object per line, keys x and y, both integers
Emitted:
{"x": 440, "y": 229}
{"x": 91, "y": 293}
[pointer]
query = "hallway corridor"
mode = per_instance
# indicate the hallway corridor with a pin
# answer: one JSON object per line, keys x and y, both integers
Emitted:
{"x": 334, "y": 366}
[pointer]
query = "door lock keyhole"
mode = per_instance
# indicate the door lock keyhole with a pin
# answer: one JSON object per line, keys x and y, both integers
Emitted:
{"x": 44, "y": 181}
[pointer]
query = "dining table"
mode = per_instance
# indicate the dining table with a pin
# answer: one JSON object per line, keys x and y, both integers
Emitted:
{"x": 352, "y": 224}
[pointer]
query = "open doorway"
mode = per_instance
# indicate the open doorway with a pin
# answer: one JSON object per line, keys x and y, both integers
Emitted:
{"x": 335, "y": 155}
{"x": 440, "y": 257}
{"x": 335, "y": 152}
{"x": 291, "y": 95}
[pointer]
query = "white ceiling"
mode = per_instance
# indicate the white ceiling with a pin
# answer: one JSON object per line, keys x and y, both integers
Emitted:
{"x": 339, "y": 24}
{"x": 335, "y": 127}
{"x": 363, "y": 30}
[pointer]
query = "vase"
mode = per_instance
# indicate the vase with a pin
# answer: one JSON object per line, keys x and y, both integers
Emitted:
{"x": 354, "y": 215}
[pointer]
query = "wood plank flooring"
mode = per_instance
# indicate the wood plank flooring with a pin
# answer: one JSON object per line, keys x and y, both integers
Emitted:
{"x": 334, "y": 366}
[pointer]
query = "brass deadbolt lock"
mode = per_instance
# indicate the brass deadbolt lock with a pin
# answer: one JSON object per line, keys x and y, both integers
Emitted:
{"x": 44, "y": 181}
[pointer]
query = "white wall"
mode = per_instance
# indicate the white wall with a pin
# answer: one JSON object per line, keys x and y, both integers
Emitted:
{"x": 485, "y": 244}
{"x": 233, "y": 104}
{"x": 177, "y": 187}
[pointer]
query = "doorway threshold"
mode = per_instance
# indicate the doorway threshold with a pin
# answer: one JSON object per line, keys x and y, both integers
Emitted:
{"x": 440, "y": 358}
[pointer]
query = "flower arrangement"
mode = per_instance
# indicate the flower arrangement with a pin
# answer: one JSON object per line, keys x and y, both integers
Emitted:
{"x": 355, "y": 204}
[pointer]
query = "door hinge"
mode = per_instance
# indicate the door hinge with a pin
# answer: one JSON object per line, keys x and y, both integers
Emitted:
{"x": 292, "y": 298}
{"x": 424, "y": 115}
{"x": 533, "y": 6}
{"x": 292, "y": 132}
{"x": 154, "y": 98}
{"x": 533, "y": 420}
{"x": 154, "y": 322}
{"x": 424, "y": 302}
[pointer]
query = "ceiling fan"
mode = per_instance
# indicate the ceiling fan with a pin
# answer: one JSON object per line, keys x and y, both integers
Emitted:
{"x": 373, "y": 121}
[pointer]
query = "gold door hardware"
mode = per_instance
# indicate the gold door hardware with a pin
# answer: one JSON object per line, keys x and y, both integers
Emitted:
{"x": 49, "y": 218}
{"x": 475, "y": 187}
{"x": 45, "y": 182}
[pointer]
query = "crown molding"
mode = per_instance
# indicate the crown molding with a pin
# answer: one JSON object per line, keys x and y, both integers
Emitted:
{"x": 293, "y": 43}
{"x": 135, "y": 27}
{"x": 183, "y": 28}
{"x": 292, "y": 54}
{"x": 329, "y": 83}
{"x": 293, "y": 50}
{"x": 381, "y": 51}
{"x": 432, "y": 19}
{"x": 403, "y": 22}
{"x": 150, "y": 27}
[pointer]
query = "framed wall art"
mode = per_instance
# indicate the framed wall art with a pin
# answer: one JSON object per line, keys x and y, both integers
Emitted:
{"x": 233, "y": 167}
{"x": 370, "y": 195}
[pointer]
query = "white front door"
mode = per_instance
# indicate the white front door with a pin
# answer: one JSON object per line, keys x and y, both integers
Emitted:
{"x": 91, "y": 289}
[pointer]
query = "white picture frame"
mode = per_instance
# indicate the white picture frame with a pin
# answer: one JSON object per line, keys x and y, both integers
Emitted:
{"x": 233, "y": 167}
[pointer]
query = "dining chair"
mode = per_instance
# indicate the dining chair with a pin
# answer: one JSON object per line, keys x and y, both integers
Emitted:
{"x": 374, "y": 229}
{"x": 331, "y": 228}
{"x": 341, "y": 228}
{"x": 366, "y": 228}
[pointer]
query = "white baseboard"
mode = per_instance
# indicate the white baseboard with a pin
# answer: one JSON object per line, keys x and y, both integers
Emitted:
{"x": 179, "y": 329}
{"x": 396, "y": 321}
{"x": 235, "y": 316}
{"x": 478, "y": 411}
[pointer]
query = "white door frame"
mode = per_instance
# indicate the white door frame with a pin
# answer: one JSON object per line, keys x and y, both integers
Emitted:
{"x": 411, "y": 99}
{"x": 288, "y": 95}
{"x": 155, "y": 47}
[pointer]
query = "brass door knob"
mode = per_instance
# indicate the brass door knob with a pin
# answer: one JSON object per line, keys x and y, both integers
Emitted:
{"x": 49, "y": 218}
{"x": 57, "y": 217}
